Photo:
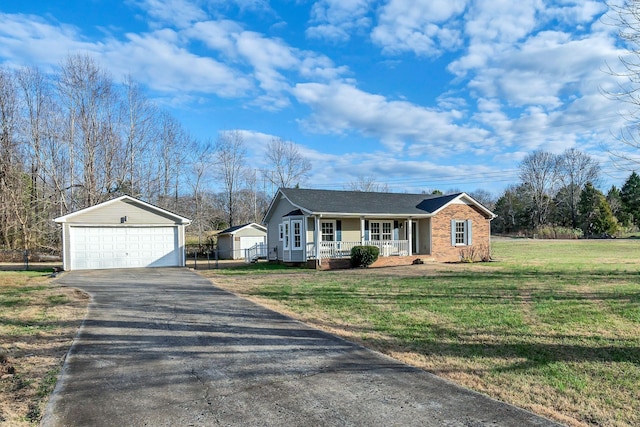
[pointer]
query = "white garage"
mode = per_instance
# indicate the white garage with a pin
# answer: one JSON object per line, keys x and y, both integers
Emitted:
{"x": 122, "y": 233}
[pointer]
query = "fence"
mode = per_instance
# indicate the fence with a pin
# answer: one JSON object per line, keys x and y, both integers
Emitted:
{"x": 22, "y": 258}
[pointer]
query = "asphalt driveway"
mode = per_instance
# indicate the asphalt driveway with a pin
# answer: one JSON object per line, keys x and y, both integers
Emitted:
{"x": 163, "y": 347}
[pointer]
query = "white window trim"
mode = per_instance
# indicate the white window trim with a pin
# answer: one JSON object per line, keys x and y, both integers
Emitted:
{"x": 280, "y": 232}
{"x": 466, "y": 232}
{"x": 381, "y": 228}
{"x": 334, "y": 230}
{"x": 293, "y": 234}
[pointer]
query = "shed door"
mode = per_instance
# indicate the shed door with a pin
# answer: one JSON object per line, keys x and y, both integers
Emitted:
{"x": 123, "y": 247}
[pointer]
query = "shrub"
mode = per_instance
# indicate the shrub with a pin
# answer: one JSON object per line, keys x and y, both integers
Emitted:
{"x": 364, "y": 256}
{"x": 557, "y": 232}
{"x": 476, "y": 253}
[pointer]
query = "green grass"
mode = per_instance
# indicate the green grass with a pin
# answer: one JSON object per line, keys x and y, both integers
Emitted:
{"x": 259, "y": 268}
{"x": 37, "y": 322}
{"x": 552, "y": 326}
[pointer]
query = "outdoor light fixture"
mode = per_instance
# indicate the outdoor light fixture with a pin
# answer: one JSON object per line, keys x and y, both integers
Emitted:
{"x": 123, "y": 219}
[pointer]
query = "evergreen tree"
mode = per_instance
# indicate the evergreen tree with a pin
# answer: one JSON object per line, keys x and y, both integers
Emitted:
{"x": 630, "y": 198}
{"x": 513, "y": 211}
{"x": 615, "y": 202}
{"x": 595, "y": 213}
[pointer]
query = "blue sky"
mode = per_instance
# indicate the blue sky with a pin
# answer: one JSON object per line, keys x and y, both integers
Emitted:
{"x": 417, "y": 94}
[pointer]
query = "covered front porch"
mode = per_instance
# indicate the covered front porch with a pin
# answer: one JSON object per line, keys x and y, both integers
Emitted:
{"x": 327, "y": 238}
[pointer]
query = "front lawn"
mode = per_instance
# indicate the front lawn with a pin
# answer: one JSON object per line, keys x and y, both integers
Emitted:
{"x": 551, "y": 326}
{"x": 38, "y": 321}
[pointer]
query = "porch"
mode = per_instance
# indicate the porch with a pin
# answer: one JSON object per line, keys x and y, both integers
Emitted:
{"x": 341, "y": 250}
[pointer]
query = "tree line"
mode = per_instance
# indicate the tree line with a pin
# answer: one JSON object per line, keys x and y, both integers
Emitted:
{"x": 558, "y": 196}
{"x": 76, "y": 137}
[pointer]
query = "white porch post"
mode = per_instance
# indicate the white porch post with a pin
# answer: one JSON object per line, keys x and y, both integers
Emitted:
{"x": 361, "y": 231}
{"x": 410, "y": 234}
{"x": 316, "y": 238}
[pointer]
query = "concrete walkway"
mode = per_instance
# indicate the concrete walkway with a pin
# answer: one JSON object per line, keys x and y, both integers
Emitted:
{"x": 163, "y": 347}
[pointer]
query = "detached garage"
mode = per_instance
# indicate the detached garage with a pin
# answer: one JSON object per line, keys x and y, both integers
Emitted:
{"x": 122, "y": 233}
{"x": 234, "y": 240}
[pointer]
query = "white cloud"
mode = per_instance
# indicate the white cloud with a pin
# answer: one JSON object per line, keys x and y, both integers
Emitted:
{"x": 217, "y": 35}
{"x": 155, "y": 58}
{"x": 163, "y": 65}
{"x": 341, "y": 108}
{"x": 577, "y": 12}
{"x": 179, "y": 13}
{"x": 335, "y": 20}
{"x": 544, "y": 69}
{"x": 28, "y": 39}
{"x": 423, "y": 27}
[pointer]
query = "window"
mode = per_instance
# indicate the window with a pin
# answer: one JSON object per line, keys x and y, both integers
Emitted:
{"x": 381, "y": 230}
{"x": 281, "y": 232}
{"x": 286, "y": 235}
{"x": 328, "y": 231}
{"x": 297, "y": 234}
{"x": 460, "y": 233}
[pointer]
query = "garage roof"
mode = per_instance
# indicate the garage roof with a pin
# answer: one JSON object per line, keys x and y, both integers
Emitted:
{"x": 126, "y": 199}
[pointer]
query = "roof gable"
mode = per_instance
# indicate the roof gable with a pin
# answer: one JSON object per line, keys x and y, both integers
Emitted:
{"x": 126, "y": 200}
{"x": 236, "y": 228}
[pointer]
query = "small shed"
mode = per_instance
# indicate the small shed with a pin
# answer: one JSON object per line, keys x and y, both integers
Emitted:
{"x": 122, "y": 233}
{"x": 234, "y": 240}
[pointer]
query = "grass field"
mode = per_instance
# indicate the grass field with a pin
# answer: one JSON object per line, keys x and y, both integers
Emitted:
{"x": 551, "y": 326}
{"x": 37, "y": 324}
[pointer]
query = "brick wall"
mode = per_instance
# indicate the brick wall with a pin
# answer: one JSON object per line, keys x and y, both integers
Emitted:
{"x": 441, "y": 232}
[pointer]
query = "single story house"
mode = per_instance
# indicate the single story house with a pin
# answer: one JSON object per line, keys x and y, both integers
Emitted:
{"x": 233, "y": 241}
{"x": 122, "y": 233}
{"x": 321, "y": 226}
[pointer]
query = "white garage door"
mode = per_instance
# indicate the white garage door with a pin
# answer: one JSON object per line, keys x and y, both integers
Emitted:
{"x": 247, "y": 242}
{"x": 123, "y": 247}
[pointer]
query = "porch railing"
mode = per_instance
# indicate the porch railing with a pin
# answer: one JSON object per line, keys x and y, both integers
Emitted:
{"x": 343, "y": 249}
{"x": 255, "y": 252}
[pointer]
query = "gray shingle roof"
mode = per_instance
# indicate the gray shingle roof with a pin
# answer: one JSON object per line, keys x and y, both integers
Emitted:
{"x": 366, "y": 203}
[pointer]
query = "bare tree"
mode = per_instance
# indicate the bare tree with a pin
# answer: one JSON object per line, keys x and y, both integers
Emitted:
{"x": 539, "y": 173}
{"x": 367, "y": 184}
{"x": 575, "y": 169}
{"x": 170, "y": 160}
{"x": 484, "y": 197}
{"x": 38, "y": 120}
{"x": 10, "y": 167}
{"x": 140, "y": 121}
{"x": 288, "y": 166}
{"x": 626, "y": 16}
{"x": 230, "y": 159}
{"x": 88, "y": 90}
{"x": 201, "y": 160}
